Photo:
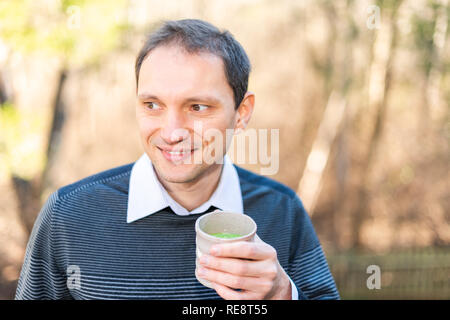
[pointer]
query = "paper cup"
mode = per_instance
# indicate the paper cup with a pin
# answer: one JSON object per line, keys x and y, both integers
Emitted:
{"x": 221, "y": 222}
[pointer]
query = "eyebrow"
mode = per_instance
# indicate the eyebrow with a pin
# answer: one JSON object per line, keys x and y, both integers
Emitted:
{"x": 210, "y": 99}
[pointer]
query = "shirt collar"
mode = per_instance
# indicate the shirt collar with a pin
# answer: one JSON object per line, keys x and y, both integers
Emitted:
{"x": 146, "y": 195}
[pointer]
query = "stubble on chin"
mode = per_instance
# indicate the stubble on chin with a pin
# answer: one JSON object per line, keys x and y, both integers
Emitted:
{"x": 190, "y": 176}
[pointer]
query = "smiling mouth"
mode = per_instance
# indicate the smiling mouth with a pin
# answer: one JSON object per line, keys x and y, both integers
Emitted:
{"x": 176, "y": 156}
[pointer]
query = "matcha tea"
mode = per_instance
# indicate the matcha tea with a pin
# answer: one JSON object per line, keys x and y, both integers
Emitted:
{"x": 225, "y": 235}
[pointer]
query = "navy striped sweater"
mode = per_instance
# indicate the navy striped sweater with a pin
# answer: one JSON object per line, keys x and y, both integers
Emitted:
{"x": 81, "y": 246}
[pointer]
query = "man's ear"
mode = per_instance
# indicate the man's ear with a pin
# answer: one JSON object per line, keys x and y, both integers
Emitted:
{"x": 244, "y": 111}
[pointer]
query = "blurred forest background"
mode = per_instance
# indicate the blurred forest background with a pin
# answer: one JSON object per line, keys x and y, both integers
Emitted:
{"x": 360, "y": 91}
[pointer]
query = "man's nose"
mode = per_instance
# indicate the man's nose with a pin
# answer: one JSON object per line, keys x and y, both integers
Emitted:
{"x": 173, "y": 127}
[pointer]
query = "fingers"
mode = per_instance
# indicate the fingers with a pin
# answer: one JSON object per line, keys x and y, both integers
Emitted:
{"x": 244, "y": 250}
{"x": 230, "y": 294}
{"x": 254, "y": 268}
{"x": 226, "y": 293}
{"x": 234, "y": 281}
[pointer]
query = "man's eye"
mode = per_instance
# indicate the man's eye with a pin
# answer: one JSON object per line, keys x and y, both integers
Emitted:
{"x": 152, "y": 105}
{"x": 199, "y": 107}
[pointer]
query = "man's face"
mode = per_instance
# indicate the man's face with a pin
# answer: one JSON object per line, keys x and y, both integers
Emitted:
{"x": 180, "y": 97}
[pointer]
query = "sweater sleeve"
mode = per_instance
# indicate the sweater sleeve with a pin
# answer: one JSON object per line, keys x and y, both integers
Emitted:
{"x": 308, "y": 267}
{"x": 40, "y": 278}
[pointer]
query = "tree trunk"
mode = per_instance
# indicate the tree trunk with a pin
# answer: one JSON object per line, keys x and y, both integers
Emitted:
{"x": 311, "y": 182}
{"x": 338, "y": 74}
{"x": 3, "y": 96}
{"x": 55, "y": 133}
{"x": 326, "y": 68}
{"x": 433, "y": 95}
{"x": 378, "y": 100}
{"x": 28, "y": 192}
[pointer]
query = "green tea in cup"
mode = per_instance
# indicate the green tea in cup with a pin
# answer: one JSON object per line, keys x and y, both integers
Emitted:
{"x": 226, "y": 235}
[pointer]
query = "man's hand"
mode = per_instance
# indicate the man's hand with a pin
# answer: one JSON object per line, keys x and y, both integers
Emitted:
{"x": 252, "y": 267}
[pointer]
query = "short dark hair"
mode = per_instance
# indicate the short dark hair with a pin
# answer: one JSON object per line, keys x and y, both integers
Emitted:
{"x": 200, "y": 36}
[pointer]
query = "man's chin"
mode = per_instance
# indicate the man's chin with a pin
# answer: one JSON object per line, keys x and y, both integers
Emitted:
{"x": 177, "y": 178}
{"x": 176, "y": 173}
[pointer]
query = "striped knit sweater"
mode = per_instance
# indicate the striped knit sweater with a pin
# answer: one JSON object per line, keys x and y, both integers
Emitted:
{"x": 81, "y": 246}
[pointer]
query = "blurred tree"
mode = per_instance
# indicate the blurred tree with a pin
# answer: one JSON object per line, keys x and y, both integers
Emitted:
{"x": 322, "y": 58}
{"x": 429, "y": 30}
{"x": 337, "y": 73}
{"x": 3, "y": 96}
{"x": 78, "y": 33}
{"x": 381, "y": 74}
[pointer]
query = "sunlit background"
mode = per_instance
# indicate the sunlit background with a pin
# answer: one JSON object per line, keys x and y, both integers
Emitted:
{"x": 359, "y": 90}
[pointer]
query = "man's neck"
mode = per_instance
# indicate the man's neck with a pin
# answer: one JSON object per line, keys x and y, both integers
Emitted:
{"x": 193, "y": 194}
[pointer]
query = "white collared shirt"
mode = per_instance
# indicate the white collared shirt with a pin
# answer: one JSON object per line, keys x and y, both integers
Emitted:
{"x": 143, "y": 183}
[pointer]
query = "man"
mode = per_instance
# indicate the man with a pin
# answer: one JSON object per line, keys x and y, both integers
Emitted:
{"x": 128, "y": 233}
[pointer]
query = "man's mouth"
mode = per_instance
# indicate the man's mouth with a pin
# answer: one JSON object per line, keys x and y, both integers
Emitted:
{"x": 173, "y": 155}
